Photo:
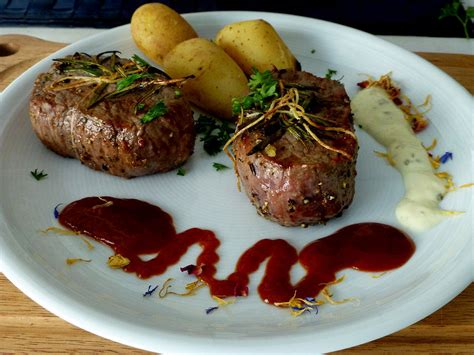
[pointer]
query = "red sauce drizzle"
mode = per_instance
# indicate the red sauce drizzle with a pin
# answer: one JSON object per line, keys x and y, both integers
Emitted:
{"x": 133, "y": 227}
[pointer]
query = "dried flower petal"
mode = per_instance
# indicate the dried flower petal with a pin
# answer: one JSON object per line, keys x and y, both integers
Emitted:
{"x": 327, "y": 294}
{"x": 56, "y": 212}
{"x": 412, "y": 113}
{"x": 59, "y": 231}
{"x": 105, "y": 204}
{"x": 377, "y": 276}
{"x": 445, "y": 157}
{"x": 222, "y": 302}
{"x": 211, "y": 309}
{"x": 150, "y": 291}
{"x": 90, "y": 246}
{"x": 191, "y": 288}
{"x": 71, "y": 261}
{"x": 118, "y": 261}
{"x": 386, "y": 156}
{"x": 298, "y": 306}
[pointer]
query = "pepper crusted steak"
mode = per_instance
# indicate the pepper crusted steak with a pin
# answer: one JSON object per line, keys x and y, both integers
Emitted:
{"x": 298, "y": 163}
{"x": 115, "y": 115}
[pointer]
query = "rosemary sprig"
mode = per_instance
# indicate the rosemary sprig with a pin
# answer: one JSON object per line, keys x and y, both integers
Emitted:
{"x": 140, "y": 61}
{"x": 109, "y": 77}
{"x": 129, "y": 80}
{"x": 88, "y": 66}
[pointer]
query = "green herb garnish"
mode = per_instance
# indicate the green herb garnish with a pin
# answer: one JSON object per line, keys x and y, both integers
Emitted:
{"x": 274, "y": 107}
{"x": 330, "y": 73}
{"x": 263, "y": 89}
{"x": 99, "y": 71}
{"x": 219, "y": 166}
{"x": 181, "y": 171}
{"x": 140, "y": 61}
{"x": 140, "y": 106}
{"x": 454, "y": 9}
{"x": 88, "y": 67}
{"x": 178, "y": 93}
{"x": 158, "y": 110}
{"x": 129, "y": 80}
{"x": 214, "y": 133}
{"x": 38, "y": 175}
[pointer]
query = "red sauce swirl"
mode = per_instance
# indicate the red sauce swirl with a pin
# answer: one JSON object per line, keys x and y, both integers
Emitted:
{"x": 133, "y": 227}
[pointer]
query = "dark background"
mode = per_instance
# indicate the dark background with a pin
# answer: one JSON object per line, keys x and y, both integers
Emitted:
{"x": 396, "y": 17}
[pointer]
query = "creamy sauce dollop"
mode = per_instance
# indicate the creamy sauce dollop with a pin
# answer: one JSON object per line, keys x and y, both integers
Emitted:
{"x": 385, "y": 122}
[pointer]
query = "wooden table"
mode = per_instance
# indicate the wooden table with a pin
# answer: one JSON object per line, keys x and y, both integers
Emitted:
{"x": 27, "y": 327}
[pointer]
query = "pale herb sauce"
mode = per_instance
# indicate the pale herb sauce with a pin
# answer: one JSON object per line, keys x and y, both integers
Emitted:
{"x": 385, "y": 122}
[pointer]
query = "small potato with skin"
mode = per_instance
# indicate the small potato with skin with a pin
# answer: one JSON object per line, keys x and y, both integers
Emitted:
{"x": 256, "y": 44}
{"x": 217, "y": 78}
{"x": 157, "y": 29}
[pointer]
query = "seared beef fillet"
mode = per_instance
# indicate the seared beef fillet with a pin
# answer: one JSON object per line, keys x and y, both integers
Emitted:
{"x": 302, "y": 182}
{"x": 109, "y": 136}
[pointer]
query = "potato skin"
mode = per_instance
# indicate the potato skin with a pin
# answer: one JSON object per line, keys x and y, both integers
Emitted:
{"x": 156, "y": 29}
{"x": 217, "y": 80}
{"x": 256, "y": 44}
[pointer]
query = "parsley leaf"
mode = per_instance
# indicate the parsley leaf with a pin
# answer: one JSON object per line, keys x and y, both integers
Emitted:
{"x": 263, "y": 88}
{"x": 219, "y": 166}
{"x": 38, "y": 175}
{"x": 330, "y": 73}
{"x": 214, "y": 133}
{"x": 158, "y": 110}
{"x": 455, "y": 9}
{"x": 181, "y": 171}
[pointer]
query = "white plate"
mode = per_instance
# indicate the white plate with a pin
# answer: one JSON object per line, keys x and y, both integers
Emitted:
{"x": 110, "y": 303}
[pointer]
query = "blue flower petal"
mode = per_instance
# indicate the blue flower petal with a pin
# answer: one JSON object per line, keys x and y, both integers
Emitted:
{"x": 445, "y": 157}
{"x": 211, "y": 309}
{"x": 150, "y": 291}
{"x": 56, "y": 212}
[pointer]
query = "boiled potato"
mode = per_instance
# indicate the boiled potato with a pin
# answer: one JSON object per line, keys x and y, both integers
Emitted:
{"x": 157, "y": 29}
{"x": 217, "y": 80}
{"x": 256, "y": 44}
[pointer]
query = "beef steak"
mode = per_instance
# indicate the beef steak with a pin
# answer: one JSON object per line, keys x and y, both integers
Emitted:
{"x": 299, "y": 181}
{"x": 109, "y": 135}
